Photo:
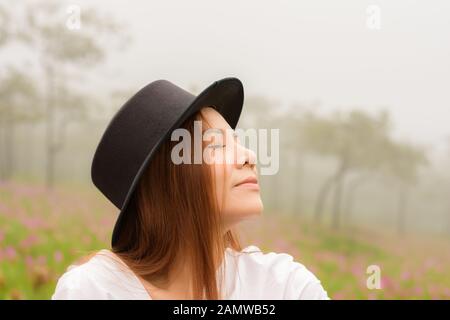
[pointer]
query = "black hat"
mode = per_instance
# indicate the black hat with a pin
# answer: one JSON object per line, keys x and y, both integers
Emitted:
{"x": 141, "y": 125}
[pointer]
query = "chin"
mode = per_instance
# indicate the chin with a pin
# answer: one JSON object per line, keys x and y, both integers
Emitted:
{"x": 252, "y": 206}
{"x": 244, "y": 212}
{"x": 255, "y": 209}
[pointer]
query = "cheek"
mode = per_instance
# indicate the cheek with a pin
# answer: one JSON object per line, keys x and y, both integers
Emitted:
{"x": 222, "y": 172}
{"x": 240, "y": 203}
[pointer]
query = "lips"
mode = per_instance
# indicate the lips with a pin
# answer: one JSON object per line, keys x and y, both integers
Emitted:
{"x": 248, "y": 180}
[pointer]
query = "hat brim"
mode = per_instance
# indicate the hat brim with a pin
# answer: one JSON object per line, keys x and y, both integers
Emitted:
{"x": 225, "y": 95}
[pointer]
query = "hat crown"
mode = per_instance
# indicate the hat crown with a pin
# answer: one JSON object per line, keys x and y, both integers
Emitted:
{"x": 132, "y": 133}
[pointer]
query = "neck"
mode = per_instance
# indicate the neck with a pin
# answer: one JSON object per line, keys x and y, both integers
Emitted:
{"x": 178, "y": 283}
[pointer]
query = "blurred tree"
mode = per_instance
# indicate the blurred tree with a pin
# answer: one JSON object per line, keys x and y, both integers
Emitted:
{"x": 4, "y": 26}
{"x": 351, "y": 189}
{"x": 63, "y": 46}
{"x": 374, "y": 133}
{"x": 291, "y": 144}
{"x": 294, "y": 146}
{"x": 448, "y": 190}
{"x": 402, "y": 166}
{"x": 355, "y": 140}
{"x": 18, "y": 104}
{"x": 74, "y": 107}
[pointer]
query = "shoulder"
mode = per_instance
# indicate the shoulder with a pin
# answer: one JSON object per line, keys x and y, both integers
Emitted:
{"x": 101, "y": 277}
{"x": 80, "y": 282}
{"x": 277, "y": 275}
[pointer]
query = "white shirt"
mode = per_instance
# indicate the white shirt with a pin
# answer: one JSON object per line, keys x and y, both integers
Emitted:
{"x": 247, "y": 276}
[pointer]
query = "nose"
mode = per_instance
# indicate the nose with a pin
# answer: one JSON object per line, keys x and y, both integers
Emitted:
{"x": 246, "y": 157}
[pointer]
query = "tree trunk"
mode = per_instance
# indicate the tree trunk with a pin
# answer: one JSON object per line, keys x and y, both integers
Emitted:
{"x": 448, "y": 223}
{"x": 8, "y": 145}
{"x": 49, "y": 129}
{"x": 350, "y": 199}
{"x": 338, "y": 190}
{"x": 298, "y": 175}
{"x": 2, "y": 149}
{"x": 401, "y": 209}
{"x": 321, "y": 198}
{"x": 324, "y": 190}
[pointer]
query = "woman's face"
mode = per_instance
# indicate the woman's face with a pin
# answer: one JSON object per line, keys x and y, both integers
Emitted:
{"x": 235, "y": 171}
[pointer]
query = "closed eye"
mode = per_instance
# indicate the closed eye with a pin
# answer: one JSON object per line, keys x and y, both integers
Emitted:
{"x": 216, "y": 146}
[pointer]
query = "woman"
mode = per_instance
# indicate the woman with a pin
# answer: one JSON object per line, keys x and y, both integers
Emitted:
{"x": 175, "y": 237}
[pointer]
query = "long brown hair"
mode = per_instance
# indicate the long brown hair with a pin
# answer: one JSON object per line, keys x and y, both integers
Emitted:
{"x": 177, "y": 217}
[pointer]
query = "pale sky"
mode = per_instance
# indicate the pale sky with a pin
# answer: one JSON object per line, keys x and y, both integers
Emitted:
{"x": 297, "y": 51}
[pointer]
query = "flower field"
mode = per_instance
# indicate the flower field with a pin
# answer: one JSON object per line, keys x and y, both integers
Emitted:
{"x": 42, "y": 232}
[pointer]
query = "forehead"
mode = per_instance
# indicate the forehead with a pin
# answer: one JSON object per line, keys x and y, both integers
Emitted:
{"x": 214, "y": 118}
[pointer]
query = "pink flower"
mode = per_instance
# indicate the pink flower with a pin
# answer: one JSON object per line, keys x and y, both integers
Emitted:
{"x": 371, "y": 296}
{"x": 29, "y": 261}
{"x": 406, "y": 276}
{"x": 10, "y": 253}
{"x": 418, "y": 291}
{"x": 447, "y": 292}
{"x": 33, "y": 223}
{"x": 356, "y": 270}
{"x": 338, "y": 296}
{"x": 41, "y": 259}
{"x": 58, "y": 256}
{"x": 86, "y": 239}
{"x": 434, "y": 291}
{"x": 341, "y": 262}
{"x": 430, "y": 263}
{"x": 3, "y": 208}
{"x": 281, "y": 245}
{"x": 29, "y": 241}
{"x": 386, "y": 282}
